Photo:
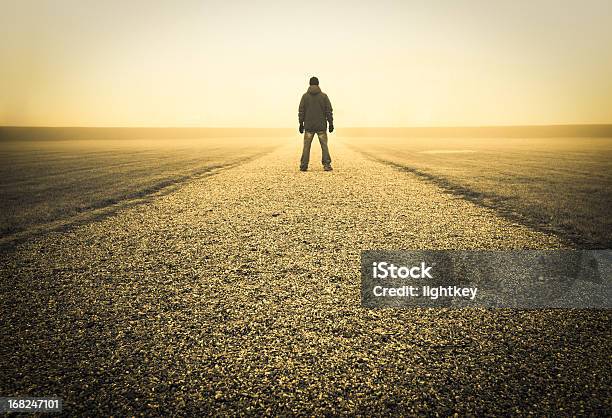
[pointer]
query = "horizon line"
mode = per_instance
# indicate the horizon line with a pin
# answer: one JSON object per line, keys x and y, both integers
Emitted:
{"x": 598, "y": 124}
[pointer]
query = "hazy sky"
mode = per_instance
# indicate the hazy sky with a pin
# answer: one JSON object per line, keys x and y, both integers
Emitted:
{"x": 246, "y": 63}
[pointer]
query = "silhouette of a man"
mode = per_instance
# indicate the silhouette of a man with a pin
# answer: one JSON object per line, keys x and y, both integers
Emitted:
{"x": 314, "y": 112}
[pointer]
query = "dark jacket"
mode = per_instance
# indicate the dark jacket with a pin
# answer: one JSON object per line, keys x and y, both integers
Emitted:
{"x": 315, "y": 110}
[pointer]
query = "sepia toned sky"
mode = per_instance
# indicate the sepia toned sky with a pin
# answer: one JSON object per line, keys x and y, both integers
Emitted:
{"x": 245, "y": 63}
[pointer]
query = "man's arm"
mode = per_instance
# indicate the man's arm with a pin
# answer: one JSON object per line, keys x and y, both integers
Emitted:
{"x": 329, "y": 112}
{"x": 302, "y": 110}
{"x": 301, "y": 113}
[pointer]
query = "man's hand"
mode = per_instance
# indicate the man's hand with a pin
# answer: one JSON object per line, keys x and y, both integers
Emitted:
{"x": 301, "y": 128}
{"x": 331, "y": 128}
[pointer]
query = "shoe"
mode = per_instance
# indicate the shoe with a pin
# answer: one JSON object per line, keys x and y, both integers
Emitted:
{"x": 327, "y": 168}
{"x": 303, "y": 168}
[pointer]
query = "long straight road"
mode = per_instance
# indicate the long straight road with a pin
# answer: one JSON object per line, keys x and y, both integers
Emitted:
{"x": 240, "y": 293}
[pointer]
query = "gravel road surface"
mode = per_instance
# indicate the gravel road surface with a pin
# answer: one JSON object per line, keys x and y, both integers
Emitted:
{"x": 239, "y": 293}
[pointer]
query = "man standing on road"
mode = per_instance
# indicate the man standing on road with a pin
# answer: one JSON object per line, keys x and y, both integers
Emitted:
{"x": 314, "y": 112}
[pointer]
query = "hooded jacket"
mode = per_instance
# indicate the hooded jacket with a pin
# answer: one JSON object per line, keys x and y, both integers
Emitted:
{"x": 315, "y": 110}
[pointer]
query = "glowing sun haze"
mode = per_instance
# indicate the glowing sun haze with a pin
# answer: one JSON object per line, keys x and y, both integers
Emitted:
{"x": 246, "y": 63}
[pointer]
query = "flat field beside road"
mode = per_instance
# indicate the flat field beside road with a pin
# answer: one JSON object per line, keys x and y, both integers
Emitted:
{"x": 560, "y": 185}
{"x": 45, "y": 182}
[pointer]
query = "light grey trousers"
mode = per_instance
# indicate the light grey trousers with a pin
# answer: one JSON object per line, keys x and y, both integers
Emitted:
{"x": 308, "y": 137}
